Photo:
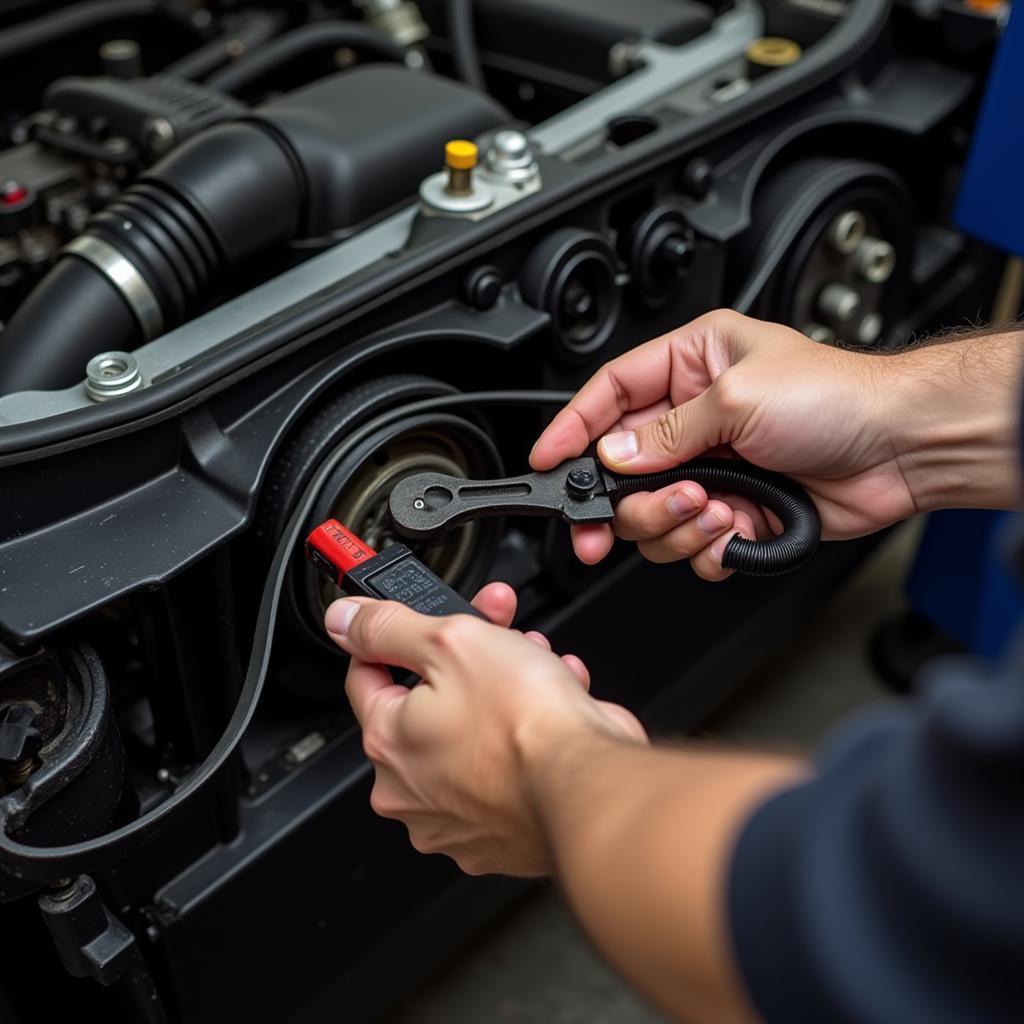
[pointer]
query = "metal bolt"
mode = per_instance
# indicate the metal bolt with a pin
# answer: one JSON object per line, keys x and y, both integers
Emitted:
{"x": 875, "y": 260}
{"x": 846, "y": 231}
{"x": 20, "y": 741}
{"x": 697, "y": 178}
{"x": 511, "y": 157}
{"x": 577, "y": 301}
{"x": 121, "y": 58}
{"x": 482, "y": 287}
{"x": 158, "y": 134}
{"x": 676, "y": 250}
{"x": 870, "y": 329}
{"x": 820, "y": 333}
{"x": 623, "y": 57}
{"x": 62, "y": 890}
{"x": 112, "y": 374}
{"x": 839, "y": 302}
{"x": 419, "y": 504}
{"x": 580, "y": 483}
{"x": 117, "y": 145}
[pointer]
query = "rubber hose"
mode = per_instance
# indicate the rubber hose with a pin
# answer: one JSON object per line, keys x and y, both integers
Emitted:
{"x": 463, "y": 39}
{"x": 61, "y": 340}
{"x": 301, "y": 42}
{"x": 255, "y": 31}
{"x": 772, "y": 557}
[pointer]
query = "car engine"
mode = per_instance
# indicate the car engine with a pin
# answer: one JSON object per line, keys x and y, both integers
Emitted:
{"x": 259, "y": 263}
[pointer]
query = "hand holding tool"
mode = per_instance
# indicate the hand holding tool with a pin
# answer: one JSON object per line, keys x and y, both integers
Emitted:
{"x": 425, "y": 506}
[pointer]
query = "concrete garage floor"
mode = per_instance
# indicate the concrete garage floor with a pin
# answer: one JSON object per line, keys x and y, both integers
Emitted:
{"x": 534, "y": 966}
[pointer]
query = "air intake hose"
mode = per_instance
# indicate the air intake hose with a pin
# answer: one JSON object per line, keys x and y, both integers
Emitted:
{"x": 318, "y": 161}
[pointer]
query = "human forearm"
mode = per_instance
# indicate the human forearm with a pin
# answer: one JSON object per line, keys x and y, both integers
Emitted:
{"x": 642, "y": 839}
{"x": 954, "y": 408}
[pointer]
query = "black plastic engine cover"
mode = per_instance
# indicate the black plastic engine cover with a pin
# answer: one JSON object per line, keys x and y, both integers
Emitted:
{"x": 369, "y": 136}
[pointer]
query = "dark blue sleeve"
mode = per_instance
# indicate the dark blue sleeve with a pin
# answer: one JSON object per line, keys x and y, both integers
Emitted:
{"x": 890, "y": 888}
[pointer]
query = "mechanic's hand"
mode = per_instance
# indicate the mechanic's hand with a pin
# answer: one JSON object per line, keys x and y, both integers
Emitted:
{"x": 726, "y": 383}
{"x": 449, "y": 753}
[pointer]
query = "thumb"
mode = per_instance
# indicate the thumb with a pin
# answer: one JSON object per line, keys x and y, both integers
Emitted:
{"x": 674, "y": 436}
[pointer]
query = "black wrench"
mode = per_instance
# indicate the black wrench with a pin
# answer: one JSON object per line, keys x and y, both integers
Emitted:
{"x": 425, "y": 506}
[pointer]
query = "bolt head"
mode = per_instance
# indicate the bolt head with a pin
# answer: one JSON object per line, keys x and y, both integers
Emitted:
{"x": 697, "y": 178}
{"x": 482, "y": 288}
{"x": 511, "y": 145}
{"x": 580, "y": 482}
{"x": 159, "y": 135}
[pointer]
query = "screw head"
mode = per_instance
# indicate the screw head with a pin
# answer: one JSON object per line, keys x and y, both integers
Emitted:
{"x": 846, "y": 231}
{"x": 111, "y": 374}
{"x": 419, "y": 504}
{"x": 697, "y": 178}
{"x": 117, "y": 145}
{"x": 482, "y": 288}
{"x": 580, "y": 482}
{"x": 159, "y": 135}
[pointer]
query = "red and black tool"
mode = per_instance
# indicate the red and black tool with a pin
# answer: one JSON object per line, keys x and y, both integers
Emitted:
{"x": 393, "y": 575}
{"x": 425, "y": 506}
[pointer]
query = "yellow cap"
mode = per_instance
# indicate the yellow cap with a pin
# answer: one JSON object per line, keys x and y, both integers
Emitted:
{"x": 773, "y": 52}
{"x": 460, "y": 155}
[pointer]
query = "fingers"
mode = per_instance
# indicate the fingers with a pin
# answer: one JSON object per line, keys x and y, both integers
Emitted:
{"x": 649, "y": 515}
{"x": 389, "y": 633}
{"x": 635, "y": 380}
{"x": 593, "y": 542}
{"x": 691, "y": 538}
{"x": 578, "y": 669}
{"x": 708, "y": 563}
{"x": 680, "y": 365}
{"x": 677, "y": 434}
{"x": 370, "y": 688}
{"x": 498, "y": 602}
{"x": 624, "y": 720}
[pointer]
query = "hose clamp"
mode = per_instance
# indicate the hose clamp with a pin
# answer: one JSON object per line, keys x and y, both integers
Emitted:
{"x": 125, "y": 277}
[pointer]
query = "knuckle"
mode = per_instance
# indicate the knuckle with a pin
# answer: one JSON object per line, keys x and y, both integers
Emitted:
{"x": 373, "y": 747}
{"x": 471, "y": 865}
{"x": 730, "y": 394}
{"x": 453, "y": 634}
{"x": 381, "y": 804}
{"x": 666, "y": 431}
{"x": 422, "y": 842}
{"x": 722, "y": 319}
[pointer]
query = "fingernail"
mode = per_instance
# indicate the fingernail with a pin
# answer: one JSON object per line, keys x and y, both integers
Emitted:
{"x": 712, "y": 520}
{"x": 339, "y": 617}
{"x": 620, "y": 447}
{"x": 683, "y": 503}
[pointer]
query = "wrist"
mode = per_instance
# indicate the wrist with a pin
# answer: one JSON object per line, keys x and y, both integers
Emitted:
{"x": 953, "y": 412}
{"x": 555, "y": 759}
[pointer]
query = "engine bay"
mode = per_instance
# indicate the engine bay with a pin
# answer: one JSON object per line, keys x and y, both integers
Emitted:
{"x": 259, "y": 264}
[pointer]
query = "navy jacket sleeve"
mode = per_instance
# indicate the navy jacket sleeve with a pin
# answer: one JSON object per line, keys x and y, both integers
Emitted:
{"x": 890, "y": 888}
